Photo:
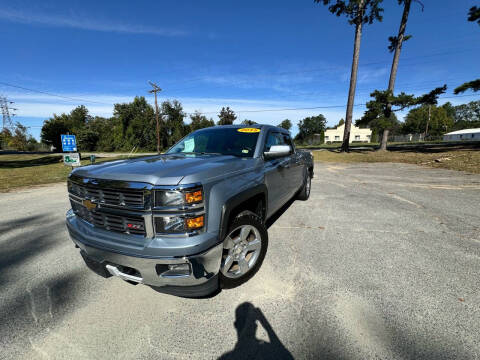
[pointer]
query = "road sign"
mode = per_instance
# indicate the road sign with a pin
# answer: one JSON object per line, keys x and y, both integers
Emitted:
{"x": 69, "y": 143}
{"x": 72, "y": 159}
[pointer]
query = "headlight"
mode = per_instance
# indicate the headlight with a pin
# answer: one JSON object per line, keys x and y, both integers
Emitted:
{"x": 177, "y": 197}
{"x": 169, "y": 198}
{"x": 178, "y": 224}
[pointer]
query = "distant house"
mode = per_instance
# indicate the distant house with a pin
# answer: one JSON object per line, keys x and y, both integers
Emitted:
{"x": 461, "y": 135}
{"x": 356, "y": 134}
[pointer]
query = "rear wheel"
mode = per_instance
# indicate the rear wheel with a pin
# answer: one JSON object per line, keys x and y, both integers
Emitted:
{"x": 304, "y": 192}
{"x": 244, "y": 249}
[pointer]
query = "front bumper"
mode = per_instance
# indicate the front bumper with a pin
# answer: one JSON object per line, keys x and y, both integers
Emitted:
{"x": 197, "y": 274}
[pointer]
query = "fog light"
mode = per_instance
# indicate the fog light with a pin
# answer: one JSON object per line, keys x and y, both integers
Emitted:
{"x": 177, "y": 270}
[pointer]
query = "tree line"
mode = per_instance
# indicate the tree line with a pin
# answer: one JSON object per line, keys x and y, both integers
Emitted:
{"x": 132, "y": 126}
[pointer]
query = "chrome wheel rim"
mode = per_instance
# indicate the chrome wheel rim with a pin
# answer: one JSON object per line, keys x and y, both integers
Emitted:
{"x": 241, "y": 251}
{"x": 308, "y": 185}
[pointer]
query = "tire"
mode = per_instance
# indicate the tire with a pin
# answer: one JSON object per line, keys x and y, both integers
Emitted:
{"x": 245, "y": 246}
{"x": 304, "y": 192}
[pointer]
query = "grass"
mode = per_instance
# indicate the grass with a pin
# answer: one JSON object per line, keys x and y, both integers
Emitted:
{"x": 452, "y": 159}
{"x": 23, "y": 170}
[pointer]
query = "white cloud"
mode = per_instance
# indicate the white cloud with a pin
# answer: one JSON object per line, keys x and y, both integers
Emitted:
{"x": 84, "y": 23}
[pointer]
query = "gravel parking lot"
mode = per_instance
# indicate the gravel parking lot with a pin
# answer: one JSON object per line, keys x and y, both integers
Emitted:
{"x": 382, "y": 262}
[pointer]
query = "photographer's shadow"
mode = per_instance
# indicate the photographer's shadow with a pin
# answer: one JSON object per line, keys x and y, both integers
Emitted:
{"x": 248, "y": 346}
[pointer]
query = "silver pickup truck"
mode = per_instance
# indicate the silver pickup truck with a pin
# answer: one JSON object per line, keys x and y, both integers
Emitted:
{"x": 193, "y": 219}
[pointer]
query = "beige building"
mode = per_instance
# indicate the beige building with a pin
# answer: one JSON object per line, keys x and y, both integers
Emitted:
{"x": 356, "y": 134}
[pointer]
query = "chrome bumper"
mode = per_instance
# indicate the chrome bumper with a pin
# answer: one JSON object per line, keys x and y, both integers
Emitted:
{"x": 157, "y": 271}
{"x": 202, "y": 267}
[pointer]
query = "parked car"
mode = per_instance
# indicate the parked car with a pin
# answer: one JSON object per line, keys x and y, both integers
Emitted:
{"x": 192, "y": 219}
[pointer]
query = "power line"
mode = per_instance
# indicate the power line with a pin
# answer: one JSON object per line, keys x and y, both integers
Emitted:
{"x": 51, "y": 94}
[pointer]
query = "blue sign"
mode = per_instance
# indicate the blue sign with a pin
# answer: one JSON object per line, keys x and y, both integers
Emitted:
{"x": 69, "y": 143}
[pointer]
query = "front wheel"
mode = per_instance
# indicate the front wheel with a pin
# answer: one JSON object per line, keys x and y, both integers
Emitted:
{"x": 304, "y": 192}
{"x": 244, "y": 249}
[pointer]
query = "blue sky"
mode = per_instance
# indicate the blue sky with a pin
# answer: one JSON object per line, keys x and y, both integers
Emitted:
{"x": 249, "y": 55}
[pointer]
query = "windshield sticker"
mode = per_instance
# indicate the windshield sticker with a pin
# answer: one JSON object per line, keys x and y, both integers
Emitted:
{"x": 248, "y": 130}
{"x": 189, "y": 145}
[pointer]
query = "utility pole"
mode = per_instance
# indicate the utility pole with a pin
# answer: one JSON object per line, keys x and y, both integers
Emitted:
{"x": 428, "y": 120}
{"x": 155, "y": 89}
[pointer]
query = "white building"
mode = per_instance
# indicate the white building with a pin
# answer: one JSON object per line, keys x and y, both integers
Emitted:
{"x": 356, "y": 134}
{"x": 465, "y": 134}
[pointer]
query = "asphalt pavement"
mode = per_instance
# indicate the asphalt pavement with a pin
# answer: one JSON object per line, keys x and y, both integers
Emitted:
{"x": 382, "y": 262}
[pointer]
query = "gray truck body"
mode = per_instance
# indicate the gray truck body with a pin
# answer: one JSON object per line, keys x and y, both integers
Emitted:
{"x": 142, "y": 255}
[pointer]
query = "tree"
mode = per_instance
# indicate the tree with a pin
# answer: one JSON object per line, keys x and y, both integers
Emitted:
{"x": 394, "y": 42}
{"x": 358, "y": 12}
{"x": 5, "y": 136}
{"x": 430, "y": 99}
{"x": 87, "y": 139}
{"x": 470, "y": 85}
{"x": 417, "y": 119}
{"x": 341, "y": 122}
{"x": 395, "y": 46}
{"x": 52, "y": 129}
{"x": 473, "y": 15}
{"x": 173, "y": 128}
{"x": 226, "y": 116}
{"x": 379, "y": 115}
{"x": 311, "y": 126}
{"x": 32, "y": 143}
{"x": 103, "y": 128}
{"x": 134, "y": 125}
{"x": 467, "y": 115}
{"x": 200, "y": 121}
{"x": 285, "y": 124}
{"x": 248, "y": 122}
{"x": 19, "y": 139}
{"x": 78, "y": 118}
{"x": 72, "y": 123}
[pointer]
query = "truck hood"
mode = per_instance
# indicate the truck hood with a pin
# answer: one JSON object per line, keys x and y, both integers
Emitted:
{"x": 167, "y": 169}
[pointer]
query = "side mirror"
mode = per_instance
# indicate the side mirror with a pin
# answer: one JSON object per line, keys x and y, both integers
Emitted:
{"x": 277, "y": 151}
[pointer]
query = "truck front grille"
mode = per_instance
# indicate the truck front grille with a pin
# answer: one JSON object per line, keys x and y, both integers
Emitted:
{"x": 124, "y": 224}
{"x": 126, "y": 198}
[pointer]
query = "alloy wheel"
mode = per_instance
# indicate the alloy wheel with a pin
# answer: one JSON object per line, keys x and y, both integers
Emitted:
{"x": 241, "y": 250}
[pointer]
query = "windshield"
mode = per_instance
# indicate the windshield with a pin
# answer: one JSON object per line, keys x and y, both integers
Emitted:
{"x": 225, "y": 141}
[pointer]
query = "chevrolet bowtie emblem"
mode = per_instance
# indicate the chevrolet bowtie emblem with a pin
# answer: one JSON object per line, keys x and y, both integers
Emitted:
{"x": 89, "y": 205}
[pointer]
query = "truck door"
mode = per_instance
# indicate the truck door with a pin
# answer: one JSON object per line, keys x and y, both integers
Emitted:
{"x": 296, "y": 166}
{"x": 277, "y": 174}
